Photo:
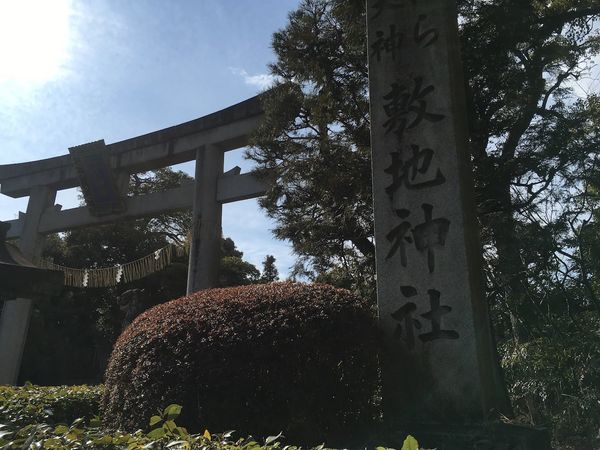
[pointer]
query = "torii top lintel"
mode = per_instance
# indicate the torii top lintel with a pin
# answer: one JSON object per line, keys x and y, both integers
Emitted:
{"x": 228, "y": 129}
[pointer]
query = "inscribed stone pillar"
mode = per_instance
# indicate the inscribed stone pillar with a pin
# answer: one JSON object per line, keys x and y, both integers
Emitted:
{"x": 203, "y": 268}
{"x": 14, "y": 322}
{"x": 440, "y": 364}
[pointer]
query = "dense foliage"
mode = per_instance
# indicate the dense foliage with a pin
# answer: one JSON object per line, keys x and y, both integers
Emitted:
{"x": 66, "y": 417}
{"x": 534, "y": 134}
{"x": 25, "y": 405}
{"x": 44, "y": 425}
{"x": 259, "y": 359}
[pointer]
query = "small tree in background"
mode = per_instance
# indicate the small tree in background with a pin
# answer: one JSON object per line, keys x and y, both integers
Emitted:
{"x": 269, "y": 271}
{"x": 234, "y": 271}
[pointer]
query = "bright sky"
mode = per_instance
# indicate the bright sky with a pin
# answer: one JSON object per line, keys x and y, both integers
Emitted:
{"x": 76, "y": 71}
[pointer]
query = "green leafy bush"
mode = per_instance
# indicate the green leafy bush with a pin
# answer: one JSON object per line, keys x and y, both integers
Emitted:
{"x": 49, "y": 404}
{"x": 554, "y": 381}
{"x": 260, "y": 359}
{"x": 165, "y": 434}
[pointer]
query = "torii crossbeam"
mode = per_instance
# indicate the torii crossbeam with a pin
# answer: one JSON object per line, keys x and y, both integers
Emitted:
{"x": 102, "y": 171}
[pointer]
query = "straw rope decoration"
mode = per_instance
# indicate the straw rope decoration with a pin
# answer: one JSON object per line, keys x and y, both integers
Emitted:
{"x": 121, "y": 273}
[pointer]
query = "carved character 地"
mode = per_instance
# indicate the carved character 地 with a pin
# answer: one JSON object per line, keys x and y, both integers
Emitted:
{"x": 404, "y": 173}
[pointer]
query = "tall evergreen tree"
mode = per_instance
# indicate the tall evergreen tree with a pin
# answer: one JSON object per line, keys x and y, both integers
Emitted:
{"x": 316, "y": 138}
{"x": 269, "y": 270}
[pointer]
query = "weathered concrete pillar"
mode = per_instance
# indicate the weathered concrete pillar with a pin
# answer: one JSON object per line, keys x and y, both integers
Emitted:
{"x": 14, "y": 322}
{"x": 203, "y": 268}
{"x": 439, "y": 365}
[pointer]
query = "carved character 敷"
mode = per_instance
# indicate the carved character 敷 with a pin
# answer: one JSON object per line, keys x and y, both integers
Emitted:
{"x": 408, "y": 108}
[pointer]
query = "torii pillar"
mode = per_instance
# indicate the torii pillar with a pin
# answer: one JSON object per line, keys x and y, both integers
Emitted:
{"x": 203, "y": 267}
{"x": 14, "y": 320}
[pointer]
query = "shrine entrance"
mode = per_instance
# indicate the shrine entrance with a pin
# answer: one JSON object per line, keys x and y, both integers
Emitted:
{"x": 102, "y": 172}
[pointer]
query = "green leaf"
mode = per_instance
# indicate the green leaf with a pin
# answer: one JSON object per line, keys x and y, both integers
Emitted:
{"x": 4, "y": 433}
{"x": 410, "y": 443}
{"x": 104, "y": 440}
{"x": 78, "y": 421}
{"x": 154, "y": 420}
{"x": 172, "y": 411}
{"x": 52, "y": 443}
{"x": 72, "y": 436}
{"x": 156, "y": 434}
{"x": 95, "y": 422}
{"x": 61, "y": 429}
{"x": 272, "y": 438}
{"x": 180, "y": 431}
{"x": 169, "y": 425}
{"x": 124, "y": 439}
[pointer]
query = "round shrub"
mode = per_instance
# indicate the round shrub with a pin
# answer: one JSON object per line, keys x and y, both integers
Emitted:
{"x": 259, "y": 359}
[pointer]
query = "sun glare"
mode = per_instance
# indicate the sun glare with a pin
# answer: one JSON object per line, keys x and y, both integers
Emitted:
{"x": 34, "y": 39}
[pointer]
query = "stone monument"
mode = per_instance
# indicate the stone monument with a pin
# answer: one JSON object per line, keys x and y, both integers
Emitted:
{"x": 439, "y": 366}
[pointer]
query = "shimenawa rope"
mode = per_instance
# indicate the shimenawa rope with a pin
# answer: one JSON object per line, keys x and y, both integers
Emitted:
{"x": 121, "y": 273}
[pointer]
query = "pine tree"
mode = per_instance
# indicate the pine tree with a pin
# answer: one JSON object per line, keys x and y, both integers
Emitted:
{"x": 269, "y": 271}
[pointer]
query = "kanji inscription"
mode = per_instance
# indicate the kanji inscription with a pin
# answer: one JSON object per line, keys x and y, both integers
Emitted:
{"x": 409, "y": 325}
{"x": 429, "y": 285}
{"x": 412, "y": 172}
{"x": 407, "y": 106}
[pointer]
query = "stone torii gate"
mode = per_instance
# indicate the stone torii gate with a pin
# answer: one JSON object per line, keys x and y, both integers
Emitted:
{"x": 103, "y": 173}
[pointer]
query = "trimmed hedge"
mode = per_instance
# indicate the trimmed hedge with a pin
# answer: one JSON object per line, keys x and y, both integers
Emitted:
{"x": 260, "y": 359}
{"x": 29, "y": 404}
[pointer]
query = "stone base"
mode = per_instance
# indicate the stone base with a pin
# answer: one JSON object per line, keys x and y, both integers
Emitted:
{"x": 489, "y": 436}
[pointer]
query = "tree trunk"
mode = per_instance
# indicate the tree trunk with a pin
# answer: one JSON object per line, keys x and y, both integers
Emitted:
{"x": 510, "y": 264}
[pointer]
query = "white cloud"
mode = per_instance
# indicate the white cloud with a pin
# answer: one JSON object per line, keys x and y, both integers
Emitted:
{"x": 261, "y": 80}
